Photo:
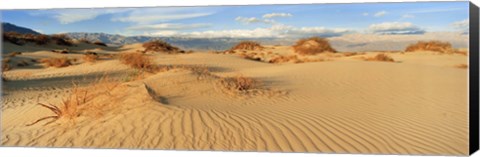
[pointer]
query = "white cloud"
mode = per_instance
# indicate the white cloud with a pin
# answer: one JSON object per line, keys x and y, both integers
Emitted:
{"x": 169, "y": 26}
{"x": 277, "y": 31}
{"x": 365, "y": 14}
{"x": 395, "y": 28}
{"x": 380, "y": 13}
{"x": 145, "y": 19}
{"x": 408, "y": 16}
{"x": 77, "y": 15}
{"x": 155, "y": 15}
{"x": 249, "y": 20}
{"x": 461, "y": 25}
{"x": 273, "y": 15}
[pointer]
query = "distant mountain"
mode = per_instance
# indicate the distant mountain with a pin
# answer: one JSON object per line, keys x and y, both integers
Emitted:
{"x": 182, "y": 42}
{"x": 8, "y": 27}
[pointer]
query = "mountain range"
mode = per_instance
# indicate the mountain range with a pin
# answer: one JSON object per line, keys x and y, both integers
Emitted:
{"x": 347, "y": 42}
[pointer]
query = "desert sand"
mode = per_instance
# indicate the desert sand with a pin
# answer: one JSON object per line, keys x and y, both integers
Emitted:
{"x": 333, "y": 104}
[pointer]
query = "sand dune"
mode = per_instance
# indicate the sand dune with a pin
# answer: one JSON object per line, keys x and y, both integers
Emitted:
{"x": 416, "y": 105}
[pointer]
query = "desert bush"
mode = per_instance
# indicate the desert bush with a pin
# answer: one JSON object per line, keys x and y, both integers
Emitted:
{"x": 250, "y": 57}
{"x": 283, "y": 59}
{"x": 99, "y": 43}
{"x": 90, "y": 57}
{"x": 137, "y": 61}
{"x": 79, "y": 102}
{"x": 159, "y": 46}
{"x": 84, "y": 40}
{"x": 41, "y": 39}
{"x": 239, "y": 83}
{"x": 13, "y": 54}
{"x": 6, "y": 64}
{"x": 381, "y": 57}
{"x": 13, "y": 37}
{"x": 56, "y": 62}
{"x": 247, "y": 45}
{"x": 436, "y": 46}
{"x": 22, "y": 63}
{"x": 312, "y": 46}
{"x": 62, "y": 39}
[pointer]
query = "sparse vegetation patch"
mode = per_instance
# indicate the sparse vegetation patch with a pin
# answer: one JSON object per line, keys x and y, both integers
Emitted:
{"x": 312, "y": 46}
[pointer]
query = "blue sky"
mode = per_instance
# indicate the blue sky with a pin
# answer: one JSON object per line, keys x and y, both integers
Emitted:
{"x": 251, "y": 21}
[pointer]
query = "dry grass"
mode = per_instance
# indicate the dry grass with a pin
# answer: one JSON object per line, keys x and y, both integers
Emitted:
{"x": 56, "y": 62}
{"x": 247, "y": 45}
{"x": 239, "y": 83}
{"x": 79, "y": 102}
{"x": 138, "y": 61}
{"x": 6, "y": 64}
{"x": 62, "y": 39}
{"x": 462, "y": 66}
{"x": 22, "y": 63}
{"x": 84, "y": 40}
{"x": 90, "y": 57}
{"x": 312, "y": 46}
{"x": 160, "y": 46}
{"x": 380, "y": 57}
{"x": 436, "y": 46}
{"x": 13, "y": 54}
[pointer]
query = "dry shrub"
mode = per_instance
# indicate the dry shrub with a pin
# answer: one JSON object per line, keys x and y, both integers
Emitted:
{"x": 239, "y": 83}
{"x": 90, "y": 57}
{"x": 13, "y": 54}
{"x": 381, "y": 57}
{"x": 461, "y": 66}
{"x": 56, "y": 62}
{"x": 84, "y": 40}
{"x": 99, "y": 43}
{"x": 160, "y": 46}
{"x": 312, "y": 46}
{"x": 22, "y": 63}
{"x": 247, "y": 45}
{"x": 137, "y": 61}
{"x": 436, "y": 46}
{"x": 283, "y": 59}
{"x": 250, "y": 57}
{"x": 6, "y": 64}
{"x": 61, "y": 39}
{"x": 79, "y": 101}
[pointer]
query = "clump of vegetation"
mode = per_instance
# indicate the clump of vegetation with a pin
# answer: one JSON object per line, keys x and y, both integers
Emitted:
{"x": 381, "y": 57}
{"x": 160, "y": 46}
{"x": 21, "y": 39}
{"x": 56, "y": 62}
{"x": 79, "y": 102}
{"x": 99, "y": 43}
{"x": 90, "y": 57}
{"x": 137, "y": 61}
{"x": 22, "y": 63}
{"x": 250, "y": 57}
{"x": 239, "y": 83}
{"x": 435, "y": 46}
{"x": 61, "y": 39}
{"x": 247, "y": 45}
{"x": 6, "y": 64}
{"x": 312, "y": 46}
{"x": 84, "y": 40}
{"x": 13, "y": 54}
